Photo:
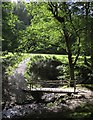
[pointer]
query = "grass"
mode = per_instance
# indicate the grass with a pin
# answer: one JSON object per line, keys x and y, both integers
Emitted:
{"x": 63, "y": 58}
{"x": 21, "y": 56}
{"x": 15, "y": 59}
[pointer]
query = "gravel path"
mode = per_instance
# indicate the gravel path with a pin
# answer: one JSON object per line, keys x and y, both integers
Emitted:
{"x": 22, "y": 67}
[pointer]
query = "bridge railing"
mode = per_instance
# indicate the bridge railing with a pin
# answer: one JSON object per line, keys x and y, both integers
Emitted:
{"x": 47, "y": 83}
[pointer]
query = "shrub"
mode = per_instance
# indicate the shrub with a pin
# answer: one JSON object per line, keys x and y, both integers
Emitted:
{"x": 85, "y": 75}
{"x": 44, "y": 68}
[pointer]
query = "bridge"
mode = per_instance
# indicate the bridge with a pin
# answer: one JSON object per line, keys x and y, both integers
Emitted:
{"x": 33, "y": 87}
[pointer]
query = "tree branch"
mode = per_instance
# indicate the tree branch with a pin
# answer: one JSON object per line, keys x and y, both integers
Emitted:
{"x": 78, "y": 51}
{"x": 54, "y": 9}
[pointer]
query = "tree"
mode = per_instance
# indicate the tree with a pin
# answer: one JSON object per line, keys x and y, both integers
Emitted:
{"x": 38, "y": 37}
{"x": 9, "y": 33}
{"x": 15, "y": 19}
{"x": 89, "y": 29}
{"x": 63, "y": 19}
{"x": 57, "y": 9}
{"x": 87, "y": 18}
{"x": 21, "y": 12}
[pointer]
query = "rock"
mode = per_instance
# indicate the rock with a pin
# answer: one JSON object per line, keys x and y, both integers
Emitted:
{"x": 78, "y": 96}
{"x": 63, "y": 101}
{"x": 53, "y": 104}
{"x": 49, "y": 98}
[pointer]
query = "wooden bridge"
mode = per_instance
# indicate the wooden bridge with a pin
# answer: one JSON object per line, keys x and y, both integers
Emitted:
{"x": 47, "y": 83}
{"x": 49, "y": 89}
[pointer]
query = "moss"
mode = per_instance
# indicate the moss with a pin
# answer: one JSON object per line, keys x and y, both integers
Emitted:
{"x": 50, "y": 104}
{"x": 80, "y": 115}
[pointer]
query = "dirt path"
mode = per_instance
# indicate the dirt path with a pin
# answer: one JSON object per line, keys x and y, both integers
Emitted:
{"x": 21, "y": 67}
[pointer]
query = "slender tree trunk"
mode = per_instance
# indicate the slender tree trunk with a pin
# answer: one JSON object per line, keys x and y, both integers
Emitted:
{"x": 71, "y": 71}
{"x": 54, "y": 9}
{"x": 91, "y": 47}
{"x": 86, "y": 32}
{"x": 92, "y": 56}
{"x": 71, "y": 65}
{"x": 92, "y": 60}
{"x": 85, "y": 59}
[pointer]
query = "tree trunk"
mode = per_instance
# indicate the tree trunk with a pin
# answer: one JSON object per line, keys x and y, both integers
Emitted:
{"x": 85, "y": 59}
{"x": 71, "y": 65}
{"x": 71, "y": 72}
{"x": 91, "y": 54}
{"x": 92, "y": 61}
{"x": 86, "y": 32}
{"x": 54, "y": 9}
{"x": 91, "y": 40}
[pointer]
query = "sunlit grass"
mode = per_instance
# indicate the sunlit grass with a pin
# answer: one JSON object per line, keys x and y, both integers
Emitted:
{"x": 64, "y": 58}
{"x": 21, "y": 56}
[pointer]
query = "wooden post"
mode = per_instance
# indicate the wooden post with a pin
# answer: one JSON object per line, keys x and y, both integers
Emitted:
{"x": 30, "y": 86}
{"x": 74, "y": 86}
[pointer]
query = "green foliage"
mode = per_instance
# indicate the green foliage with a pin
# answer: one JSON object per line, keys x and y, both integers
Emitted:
{"x": 12, "y": 60}
{"x": 41, "y": 63}
{"x": 63, "y": 71}
{"x": 85, "y": 75}
{"x": 34, "y": 27}
{"x": 44, "y": 68}
{"x": 38, "y": 36}
{"x": 9, "y": 33}
{"x": 49, "y": 105}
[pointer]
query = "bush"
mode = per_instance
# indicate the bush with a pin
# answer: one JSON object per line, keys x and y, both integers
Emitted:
{"x": 44, "y": 68}
{"x": 63, "y": 72}
{"x": 85, "y": 75}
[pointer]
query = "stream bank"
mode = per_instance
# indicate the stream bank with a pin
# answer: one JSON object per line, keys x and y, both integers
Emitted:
{"x": 53, "y": 106}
